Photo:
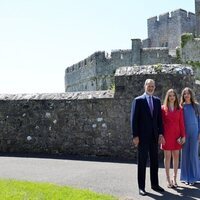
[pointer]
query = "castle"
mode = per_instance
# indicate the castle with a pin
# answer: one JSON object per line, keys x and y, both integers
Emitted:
{"x": 97, "y": 123}
{"x": 164, "y": 36}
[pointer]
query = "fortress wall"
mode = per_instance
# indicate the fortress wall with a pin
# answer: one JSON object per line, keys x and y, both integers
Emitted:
{"x": 74, "y": 77}
{"x": 82, "y": 75}
{"x": 99, "y": 74}
{"x": 155, "y": 55}
{"x": 121, "y": 57}
{"x": 197, "y": 12}
{"x": 189, "y": 23}
{"x": 82, "y": 123}
{"x": 191, "y": 50}
{"x": 166, "y": 30}
{"x": 106, "y": 70}
{"x": 153, "y": 25}
{"x": 146, "y": 43}
{"x": 129, "y": 80}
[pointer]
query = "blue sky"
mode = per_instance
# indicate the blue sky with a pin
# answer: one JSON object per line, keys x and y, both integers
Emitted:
{"x": 40, "y": 38}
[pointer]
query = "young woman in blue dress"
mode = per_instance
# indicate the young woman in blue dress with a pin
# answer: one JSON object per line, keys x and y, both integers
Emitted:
{"x": 190, "y": 164}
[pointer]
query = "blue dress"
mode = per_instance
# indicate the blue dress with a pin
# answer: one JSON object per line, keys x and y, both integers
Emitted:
{"x": 190, "y": 164}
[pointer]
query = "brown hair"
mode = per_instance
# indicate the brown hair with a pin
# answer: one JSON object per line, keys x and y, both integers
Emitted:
{"x": 166, "y": 100}
{"x": 194, "y": 103}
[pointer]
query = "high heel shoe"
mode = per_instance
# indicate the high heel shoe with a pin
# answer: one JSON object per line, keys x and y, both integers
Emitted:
{"x": 175, "y": 183}
{"x": 169, "y": 183}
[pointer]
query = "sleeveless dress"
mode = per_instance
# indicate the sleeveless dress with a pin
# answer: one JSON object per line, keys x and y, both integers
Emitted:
{"x": 190, "y": 164}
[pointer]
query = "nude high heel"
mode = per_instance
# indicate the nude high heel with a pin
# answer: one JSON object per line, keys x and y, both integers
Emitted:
{"x": 169, "y": 183}
{"x": 175, "y": 183}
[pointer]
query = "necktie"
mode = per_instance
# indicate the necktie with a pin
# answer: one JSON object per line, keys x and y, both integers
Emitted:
{"x": 151, "y": 105}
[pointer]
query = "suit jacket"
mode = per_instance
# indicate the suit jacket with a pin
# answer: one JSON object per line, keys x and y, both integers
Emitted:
{"x": 143, "y": 124}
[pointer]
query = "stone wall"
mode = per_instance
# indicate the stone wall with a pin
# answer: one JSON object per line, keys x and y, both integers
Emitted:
{"x": 197, "y": 13}
{"x": 83, "y": 123}
{"x": 166, "y": 30}
{"x": 191, "y": 50}
{"x": 97, "y": 71}
{"x": 155, "y": 55}
{"x": 83, "y": 74}
{"x": 164, "y": 35}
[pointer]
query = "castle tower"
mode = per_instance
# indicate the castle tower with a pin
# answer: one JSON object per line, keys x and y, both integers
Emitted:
{"x": 197, "y": 12}
{"x": 136, "y": 51}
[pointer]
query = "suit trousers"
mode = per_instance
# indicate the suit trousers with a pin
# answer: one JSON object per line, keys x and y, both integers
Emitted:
{"x": 145, "y": 149}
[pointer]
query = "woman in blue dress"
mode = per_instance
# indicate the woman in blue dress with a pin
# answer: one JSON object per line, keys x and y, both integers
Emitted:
{"x": 190, "y": 164}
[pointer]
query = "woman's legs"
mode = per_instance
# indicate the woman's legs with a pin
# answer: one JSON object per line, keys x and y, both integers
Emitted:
{"x": 175, "y": 156}
{"x": 167, "y": 161}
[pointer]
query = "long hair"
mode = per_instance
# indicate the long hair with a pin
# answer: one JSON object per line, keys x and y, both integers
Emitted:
{"x": 193, "y": 100}
{"x": 166, "y": 100}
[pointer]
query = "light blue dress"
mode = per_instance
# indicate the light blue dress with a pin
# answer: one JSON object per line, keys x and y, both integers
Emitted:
{"x": 190, "y": 164}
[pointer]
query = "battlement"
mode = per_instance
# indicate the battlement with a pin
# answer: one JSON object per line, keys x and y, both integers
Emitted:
{"x": 98, "y": 57}
{"x": 190, "y": 15}
{"x": 165, "y": 30}
{"x": 163, "y": 17}
{"x": 169, "y": 16}
{"x": 119, "y": 54}
{"x": 152, "y": 20}
{"x": 87, "y": 61}
{"x": 120, "y": 51}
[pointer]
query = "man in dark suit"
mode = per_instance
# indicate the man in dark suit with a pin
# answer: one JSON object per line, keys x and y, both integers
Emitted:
{"x": 147, "y": 130}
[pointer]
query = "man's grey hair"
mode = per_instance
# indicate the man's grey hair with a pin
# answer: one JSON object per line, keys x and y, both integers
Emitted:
{"x": 149, "y": 81}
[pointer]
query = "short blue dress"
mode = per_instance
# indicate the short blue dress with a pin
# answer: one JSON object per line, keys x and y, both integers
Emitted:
{"x": 190, "y": 163}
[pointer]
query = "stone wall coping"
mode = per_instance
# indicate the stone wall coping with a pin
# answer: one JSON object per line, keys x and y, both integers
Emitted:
{"x": 155, "y": 48}
{"x": 155, "y": 69}
{"x": 60, "y": 96}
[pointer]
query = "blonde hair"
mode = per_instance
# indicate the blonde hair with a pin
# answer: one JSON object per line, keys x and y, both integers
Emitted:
{"x": 166, "y": 100}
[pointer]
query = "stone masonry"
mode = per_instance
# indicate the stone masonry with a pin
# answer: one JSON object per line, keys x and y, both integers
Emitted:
{"x": 164, "y": 36}
{"x": 97, "y": 71}
{"x": 83, "y": 123}
{"x": 166, "y": 30}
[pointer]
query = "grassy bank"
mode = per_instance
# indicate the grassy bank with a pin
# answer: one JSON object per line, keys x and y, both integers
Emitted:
{"x": 24, "y": 190}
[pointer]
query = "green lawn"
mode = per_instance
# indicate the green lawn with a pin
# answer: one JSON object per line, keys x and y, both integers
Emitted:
{"x": 24, "y": 190}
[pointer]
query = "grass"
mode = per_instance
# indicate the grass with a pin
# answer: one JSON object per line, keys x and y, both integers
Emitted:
{"x": 24, "y": 190}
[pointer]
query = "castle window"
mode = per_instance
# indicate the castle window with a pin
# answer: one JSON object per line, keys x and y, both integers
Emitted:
{"x": 85, "y": 62}
{"x": 121, "y": 56}
{"x": 166, "y": 44}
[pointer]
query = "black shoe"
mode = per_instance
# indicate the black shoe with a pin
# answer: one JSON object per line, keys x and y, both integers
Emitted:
{"x": 157, "y": 188}
{"x": 142, "y": 192}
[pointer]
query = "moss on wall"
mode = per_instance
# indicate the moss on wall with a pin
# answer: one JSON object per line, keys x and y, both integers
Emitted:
{"x": 158, "y": 67}
{"x": 178, "y": 55}
{"x": 185, "y": 38}
{"x": 196, "y": 67}
{"x": 194, "y": 64}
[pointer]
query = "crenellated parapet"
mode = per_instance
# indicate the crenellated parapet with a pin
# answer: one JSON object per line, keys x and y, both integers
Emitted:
{"x": 96, "y": 72}
{"x": 165, "y": 30}
{"x": 167, "y": 17}
{"x": 87, "y": 61}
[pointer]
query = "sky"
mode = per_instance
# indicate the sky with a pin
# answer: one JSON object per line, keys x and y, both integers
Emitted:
{"x": 39, "y": 39}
